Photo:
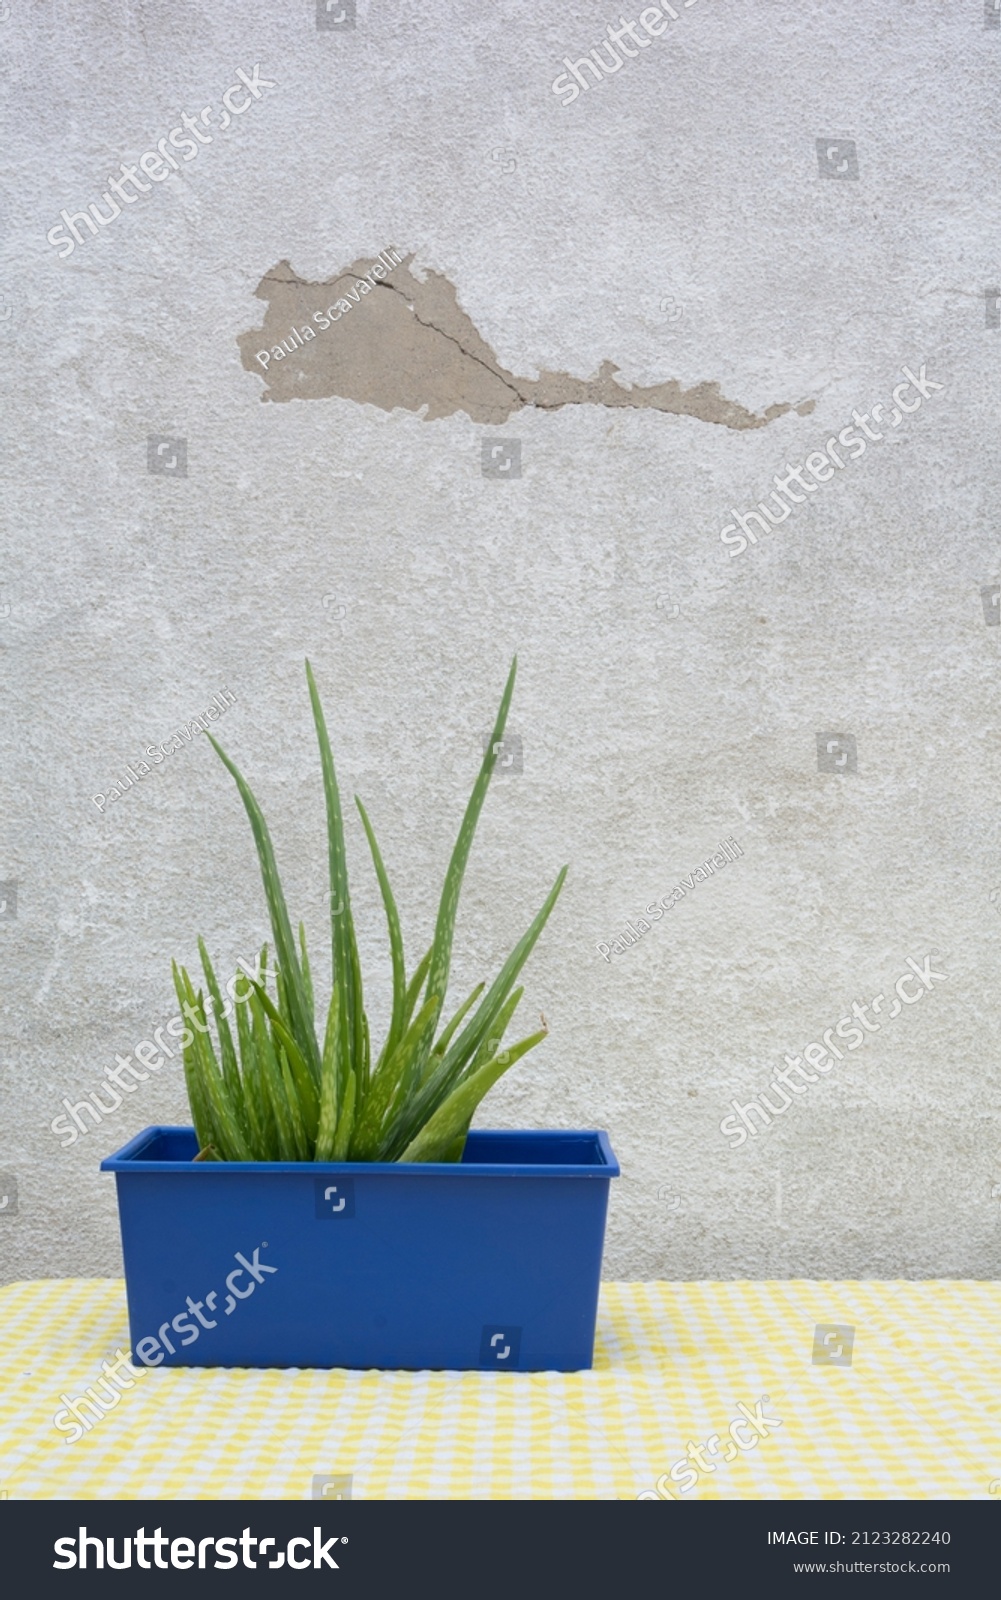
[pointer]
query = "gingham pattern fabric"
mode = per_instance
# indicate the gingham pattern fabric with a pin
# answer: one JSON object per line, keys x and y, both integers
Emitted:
{"x": 917, "y": 1413}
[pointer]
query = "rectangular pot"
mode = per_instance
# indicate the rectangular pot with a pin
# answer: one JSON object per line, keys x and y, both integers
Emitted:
{"x": 491, "y": 1262}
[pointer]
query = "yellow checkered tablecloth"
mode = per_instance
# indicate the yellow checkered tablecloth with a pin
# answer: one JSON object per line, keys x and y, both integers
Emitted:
{"x": 916, "y": 1415}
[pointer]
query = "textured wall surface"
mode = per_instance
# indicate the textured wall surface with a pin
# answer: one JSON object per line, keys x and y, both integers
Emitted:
{"x": 679, "y": 220}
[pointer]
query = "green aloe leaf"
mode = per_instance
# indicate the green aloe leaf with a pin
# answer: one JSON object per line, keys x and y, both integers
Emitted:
{"x": 345, "y": 1122}
{"x": 443, "y": 1040}
{"x": 453, "y": 1152}
{"x": 259, "y": 1119}
{"x": 228, "y": 1139}
{"x": 197, "y": 1095}
{"x": 288, "y": 960}
{"x": 441, "y": 951}
{"x": 307, "y": 976}
{"x": 327, "y": 1128}
{"x": 230, "y": 1066}
{"x": 475, "y": 1031}
{"x": 387, "y": 1085}
{"x": 307, "y": 1098}
{"x": 274, "y": 1084}
{"x": 210, "y": 1132}
{"x": 453, "y": 1116}
{"x": 415, "y": 986}
{"x": 360, "y": 1046}
{"x": 342, "y": 939}
{"x": 442, "y": 1079}
{"x": 495, "y": 1033}
{"x": 297, "y": 1121}
{"x": 397, "y": 1025}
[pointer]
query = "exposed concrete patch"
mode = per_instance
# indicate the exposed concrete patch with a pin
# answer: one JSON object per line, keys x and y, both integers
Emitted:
{"x": 407, "y": 343}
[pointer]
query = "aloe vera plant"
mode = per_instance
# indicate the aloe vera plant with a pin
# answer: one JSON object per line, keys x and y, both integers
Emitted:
{"x": 280, "y": 1091}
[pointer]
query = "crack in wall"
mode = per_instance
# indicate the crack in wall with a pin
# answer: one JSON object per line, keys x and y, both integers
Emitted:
{"x": 417, "y": 349}
{"x": 505, "y": 377}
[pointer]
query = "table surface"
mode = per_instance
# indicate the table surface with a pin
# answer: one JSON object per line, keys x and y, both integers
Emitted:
{"x": 910, "y": 1410}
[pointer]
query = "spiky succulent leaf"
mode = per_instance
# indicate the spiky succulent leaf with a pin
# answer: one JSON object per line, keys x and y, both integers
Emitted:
{"x": 443, "y": 1077}
{"x": 230, "y": 1066}
{"x": 281, "y": 927}
{"x": 307, "y": 1095}
{"x": 476, "y": 1030}
{"x": 445, "y": 1037}
{"x": 387, "y": 1085}
{"x": 453, "y": 1116}
{"x": 197, "y": 1097}
{"x": 494, "y": 1035}
{"x": 345, "y": 967}
{"x": 260, "y": 1122}
{"x": 297, "y": 1121}
{"x": 415, "y": 986}
{"x": 228, "y": 1138}
{"x": 441, "y": 950}
{"x": 327, "y": 1128}
{"x": 273, "y": 1082}
{"x": 397, "y": 1024}
{"x": 307, "y": 976}
{"x": 345, "y": 1122}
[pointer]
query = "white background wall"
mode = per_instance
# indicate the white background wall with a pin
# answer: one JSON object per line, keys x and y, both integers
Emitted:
{"x": 688, "y": 180}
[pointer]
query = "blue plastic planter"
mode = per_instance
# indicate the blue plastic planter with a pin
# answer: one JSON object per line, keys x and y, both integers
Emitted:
{"x": 493, "y": 1261}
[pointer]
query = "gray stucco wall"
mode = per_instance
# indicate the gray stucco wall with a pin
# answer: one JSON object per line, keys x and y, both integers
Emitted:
{"x": 678, "y": 221}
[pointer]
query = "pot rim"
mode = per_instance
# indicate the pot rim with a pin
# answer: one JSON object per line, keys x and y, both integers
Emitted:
{"x": 130, "y": 1159}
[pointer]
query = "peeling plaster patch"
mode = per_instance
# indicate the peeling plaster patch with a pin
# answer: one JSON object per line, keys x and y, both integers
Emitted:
{"x": 411, "y": 345}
